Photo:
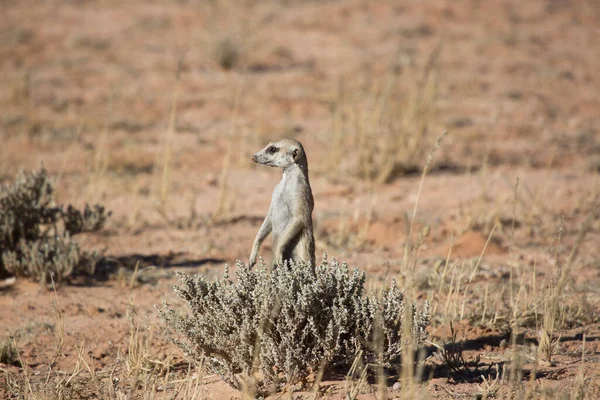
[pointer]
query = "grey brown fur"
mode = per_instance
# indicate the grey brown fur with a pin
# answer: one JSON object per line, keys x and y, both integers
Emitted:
{"x": 290, "y": 215}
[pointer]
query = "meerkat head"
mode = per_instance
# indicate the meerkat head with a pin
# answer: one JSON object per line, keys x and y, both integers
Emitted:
{"x": 281, "y": 153}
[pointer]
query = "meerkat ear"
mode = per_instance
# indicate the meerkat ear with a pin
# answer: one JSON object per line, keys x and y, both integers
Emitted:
{"x": 295, "y": 154}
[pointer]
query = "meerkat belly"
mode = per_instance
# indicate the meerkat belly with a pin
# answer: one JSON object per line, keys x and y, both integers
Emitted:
{"x": 281, "y": 212}
{"x": 280, "y": 218}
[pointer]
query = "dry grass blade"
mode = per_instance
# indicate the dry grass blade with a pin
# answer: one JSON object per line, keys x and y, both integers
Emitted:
{"x": 224, "y": 206}
{"x": 355, "y": 378}
{"x": 59, "y": 323}
{"x": 489, "y": 387}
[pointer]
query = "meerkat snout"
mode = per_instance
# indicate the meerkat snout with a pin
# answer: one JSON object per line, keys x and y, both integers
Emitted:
{"x": 290, "y": 215}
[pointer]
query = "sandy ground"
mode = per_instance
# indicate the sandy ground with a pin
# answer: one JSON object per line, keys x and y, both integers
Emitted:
{"x": 131, "y": 104}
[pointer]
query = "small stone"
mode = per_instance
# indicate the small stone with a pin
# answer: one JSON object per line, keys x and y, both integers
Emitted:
{"x": 396, "y": 386}
{"x": 7, "y": 282}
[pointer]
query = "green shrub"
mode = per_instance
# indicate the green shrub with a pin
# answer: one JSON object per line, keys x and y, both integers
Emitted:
{"x": 275, "y": 328}
{"x": 36, "y": 234}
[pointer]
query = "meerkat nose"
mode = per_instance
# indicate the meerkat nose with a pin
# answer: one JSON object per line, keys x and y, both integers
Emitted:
{"x": 254, "y": 157}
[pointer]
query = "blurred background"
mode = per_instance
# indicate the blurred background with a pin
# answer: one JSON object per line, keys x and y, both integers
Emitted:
{"x": 153, "y": 108}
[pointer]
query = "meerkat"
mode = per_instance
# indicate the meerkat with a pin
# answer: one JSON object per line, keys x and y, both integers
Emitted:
{"x": 290, "y": 214}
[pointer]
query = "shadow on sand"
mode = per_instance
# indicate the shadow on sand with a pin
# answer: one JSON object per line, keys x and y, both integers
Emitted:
{"x": 109, "y": 266}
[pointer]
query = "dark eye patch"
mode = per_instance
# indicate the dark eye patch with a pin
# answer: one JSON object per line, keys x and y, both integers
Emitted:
{"x": 272, "y": 149}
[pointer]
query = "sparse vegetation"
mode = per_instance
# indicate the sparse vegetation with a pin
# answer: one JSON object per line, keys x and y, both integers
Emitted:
{"x": 154, "y": 109}
{"x": 385, "y": 122}
{"x": 139, "y": 374}
{"x": 36, "y": 234}
{"x": 290, "y": 323}
{"x": 555, "y": 291}
{"x": 451, "y": 357}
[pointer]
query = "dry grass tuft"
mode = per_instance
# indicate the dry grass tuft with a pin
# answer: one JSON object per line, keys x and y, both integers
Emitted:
{"x": 388, "y": 125}
{"x": 9, "y": 354}
{"x": 557, "y": 285}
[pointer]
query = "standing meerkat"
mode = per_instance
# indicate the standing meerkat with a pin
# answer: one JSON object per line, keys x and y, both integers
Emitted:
{"x": 290, "y": 215}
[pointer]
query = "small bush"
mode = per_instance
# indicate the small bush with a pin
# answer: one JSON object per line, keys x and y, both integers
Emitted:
{"x": 36, "y": 234}
{"x": 269, "y": 329}
{"x": 228, "y": 51}
{"x": 9, "y": 354}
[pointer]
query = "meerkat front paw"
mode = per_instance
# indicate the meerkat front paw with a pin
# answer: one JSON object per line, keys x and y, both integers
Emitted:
{"x": 279, "y": 258}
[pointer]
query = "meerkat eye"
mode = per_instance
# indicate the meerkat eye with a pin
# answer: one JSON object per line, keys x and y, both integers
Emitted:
{"x": 272, "y": 149}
